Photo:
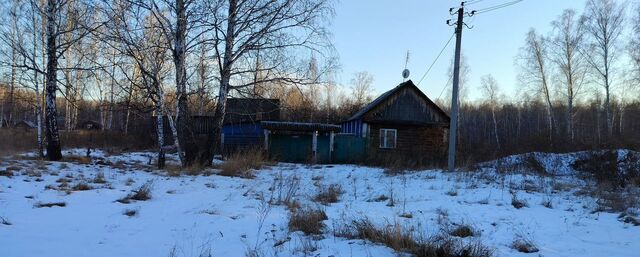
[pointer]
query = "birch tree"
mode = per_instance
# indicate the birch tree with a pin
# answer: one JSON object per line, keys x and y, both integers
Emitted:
{"x": 567, "y": 46}
{"x": 605, "y": 25}
{"x": 490, "y": 90}
{"x": 278, "y": 30}
{"x": 135, "y": 33}
{"x": 361, "y": 88}
{"x": 534, "y": 72}
{"x": 634, "y": 47}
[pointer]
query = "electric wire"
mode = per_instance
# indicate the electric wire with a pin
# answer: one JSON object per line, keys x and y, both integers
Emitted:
{"x": 436, "y": 60}
{"x": 496, "y": 7}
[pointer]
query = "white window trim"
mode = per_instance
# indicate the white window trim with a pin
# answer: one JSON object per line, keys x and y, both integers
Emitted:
{"x": 383, "y": 143}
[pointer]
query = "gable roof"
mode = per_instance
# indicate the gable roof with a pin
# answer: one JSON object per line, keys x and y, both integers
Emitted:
{"x": 386, "y": 95}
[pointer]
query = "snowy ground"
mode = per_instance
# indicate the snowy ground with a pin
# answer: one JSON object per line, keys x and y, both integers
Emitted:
{"x": 229, "y": 216}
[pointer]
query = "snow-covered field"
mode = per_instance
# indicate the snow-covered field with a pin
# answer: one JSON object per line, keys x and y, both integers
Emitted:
{"x": 229, "y": 216}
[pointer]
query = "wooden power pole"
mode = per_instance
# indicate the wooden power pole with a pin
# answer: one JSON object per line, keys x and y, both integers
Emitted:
{"x": 453, "y": 126}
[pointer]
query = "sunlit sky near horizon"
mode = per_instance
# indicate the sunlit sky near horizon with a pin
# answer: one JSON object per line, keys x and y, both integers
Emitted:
{"x": 374, "y": 36}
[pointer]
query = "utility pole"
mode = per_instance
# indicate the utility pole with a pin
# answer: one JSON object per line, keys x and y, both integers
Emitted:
{"x": 453, "y": 126}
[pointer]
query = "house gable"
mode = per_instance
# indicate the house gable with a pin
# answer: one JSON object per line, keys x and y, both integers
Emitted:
{"x": 404, "y": 104}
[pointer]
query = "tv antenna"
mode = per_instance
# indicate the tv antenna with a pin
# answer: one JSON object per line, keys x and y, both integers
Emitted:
{"x": 405, "y": 72}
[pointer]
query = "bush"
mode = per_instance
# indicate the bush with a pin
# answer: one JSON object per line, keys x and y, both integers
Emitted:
{"x": 330, "y": 194}
{"x": 308, "y": 221}
{"x": 607, "y": 169}
{"x": 241, "y": 164}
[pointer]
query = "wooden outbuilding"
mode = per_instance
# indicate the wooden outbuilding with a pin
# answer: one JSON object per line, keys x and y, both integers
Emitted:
{"x": 299, "y": 141}
{"x": 401, "y": 124}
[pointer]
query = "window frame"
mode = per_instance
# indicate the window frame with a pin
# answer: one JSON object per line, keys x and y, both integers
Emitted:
{"x": 384, "y": 139}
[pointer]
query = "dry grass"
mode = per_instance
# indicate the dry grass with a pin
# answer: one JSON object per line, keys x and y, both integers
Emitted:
{"x": 308, "y": 221}
{"x": 524, "y": 245}
{"x": 18, "y": 140}
{"x": 330, "y": 194}
{"x": 5, "y": 221}
{"x": 242, "y": 164}
{"x": 99, "y": 178}
{"x": 81, "y": 186}
{"x": 49, "y": 205}
{"x": 401, "y": 239}
{"x": 141, "y": 194}
{"x": 130, "y": 212}
{"x": 463, "y": 231}
{"x": 6, "y": 173}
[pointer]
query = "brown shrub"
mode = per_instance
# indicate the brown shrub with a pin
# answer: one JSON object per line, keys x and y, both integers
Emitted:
{"x": 308, "y": 221}
{"x": 330, "y": 194}
{"x": 242, "y": 164}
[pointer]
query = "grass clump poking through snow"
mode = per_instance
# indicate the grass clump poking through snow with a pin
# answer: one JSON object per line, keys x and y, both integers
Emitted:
{"x": 308, "y": 221}
{"x": 517, "y": 202}
{"x": 4, "y": 221}
{"x": 524, "y": 245}
{"x": 330, "y": 194}
{"x": 242, "y": 164}
{"x": 99, "y": 178}
{"x": 141, "y": 194}
{"x": 130, "y": 212}
{"x": 462, "y": 231}
{"x": 401, "y": 239}
{"x": 81, "y": 186}
{"x": 49, "y": 205}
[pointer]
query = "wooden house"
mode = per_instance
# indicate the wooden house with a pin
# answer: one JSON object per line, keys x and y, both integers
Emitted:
{"x": 403, "y": 123}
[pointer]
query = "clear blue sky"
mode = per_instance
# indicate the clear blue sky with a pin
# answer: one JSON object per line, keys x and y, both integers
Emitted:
{"x": 374, "y": 36}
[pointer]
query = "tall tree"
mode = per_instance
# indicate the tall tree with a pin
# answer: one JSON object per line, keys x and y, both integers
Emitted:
{"x": 361, "y": 89}
{"x": 634, "y": 46}
{"x": 491, "y": 91}
{"x": 605, "y": 25}
{"x": 567, "y": 46}
{"x": 278, "y": 30}
{"x": 533, "y": 59}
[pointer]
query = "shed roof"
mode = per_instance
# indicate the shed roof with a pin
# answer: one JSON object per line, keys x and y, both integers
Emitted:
{"x": 382, "y": 98}
{"x": 299, "y": 126}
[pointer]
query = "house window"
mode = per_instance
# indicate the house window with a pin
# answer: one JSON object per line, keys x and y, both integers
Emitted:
{"x": 388, "y": 138}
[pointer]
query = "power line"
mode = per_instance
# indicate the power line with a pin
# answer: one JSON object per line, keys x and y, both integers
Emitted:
{"x": 438, "y": 57}
{"x": 496, "y": 7}
{"x": 446, "y": 85}
{"x": 466, "y": 3}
